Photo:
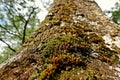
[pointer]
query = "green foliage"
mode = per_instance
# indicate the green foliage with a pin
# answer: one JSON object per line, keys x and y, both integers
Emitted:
{"x": 116, "y": 16}
{"x": 115, "y": 11}
{"x": 5, "y": 55}
{"x": 18, "y": 19}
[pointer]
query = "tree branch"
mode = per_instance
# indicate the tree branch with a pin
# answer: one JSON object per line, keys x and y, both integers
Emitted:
{"x": 13, "y": 21}
{"x": 25, "y": 26}
{"x": 10, "y": 32}
{"x": 8, "y": 45}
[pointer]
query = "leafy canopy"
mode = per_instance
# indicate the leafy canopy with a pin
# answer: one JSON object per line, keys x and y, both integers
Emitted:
{"x": 18, "y": 19}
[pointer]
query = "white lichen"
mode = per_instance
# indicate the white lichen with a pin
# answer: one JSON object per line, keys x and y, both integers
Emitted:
{"x": 110, "y": 67}
{"x": 93, "y": 23}
{"x": 108, "y": 41}
{"x": 111, "y": 41}
{"x": 94, "y": 54}
{"x": 62, "y": 23}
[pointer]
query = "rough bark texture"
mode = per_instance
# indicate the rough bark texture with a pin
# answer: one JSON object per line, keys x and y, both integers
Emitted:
{"x": 76, "y": 41}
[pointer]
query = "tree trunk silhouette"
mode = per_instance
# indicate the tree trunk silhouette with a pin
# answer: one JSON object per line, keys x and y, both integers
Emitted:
{"x": 76, "y": 41}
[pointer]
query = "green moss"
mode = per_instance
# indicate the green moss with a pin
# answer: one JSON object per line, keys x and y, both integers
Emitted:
{"x": 55, "y": 22}
{"x": 50, "y": 46}
{"x": 54, "y": 45}
{"x": 64, "y": 38}
{"x": 87, "y": 29}
{"x": 34, "y": 76}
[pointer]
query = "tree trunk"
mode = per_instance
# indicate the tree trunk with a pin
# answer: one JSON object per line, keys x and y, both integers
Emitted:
{"x": 76, "y": 41}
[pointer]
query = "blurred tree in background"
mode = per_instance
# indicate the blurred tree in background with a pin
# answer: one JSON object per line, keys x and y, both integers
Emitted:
{"x": 115, "y": 13}
{"x": 18, "y": 19}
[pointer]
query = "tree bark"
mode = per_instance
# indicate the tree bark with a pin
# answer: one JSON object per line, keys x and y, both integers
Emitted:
{"x": 76, "y": 41}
